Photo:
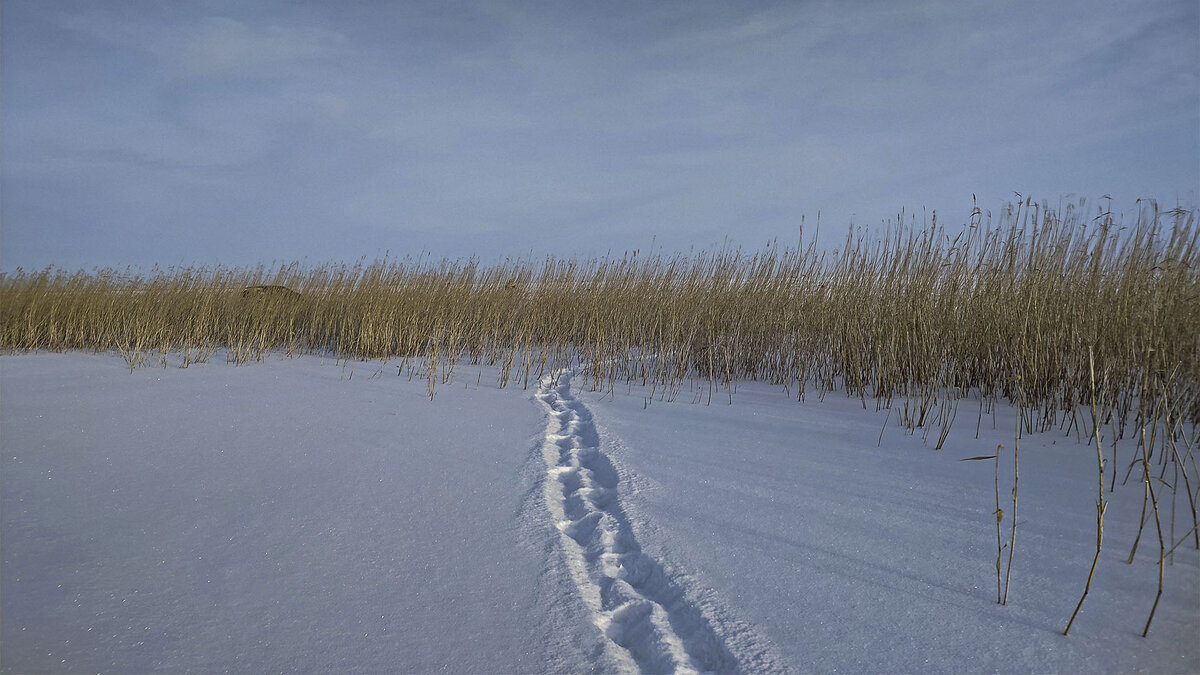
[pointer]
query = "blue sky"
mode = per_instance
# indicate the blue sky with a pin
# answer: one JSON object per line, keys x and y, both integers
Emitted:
{"x": 234, "y": 132}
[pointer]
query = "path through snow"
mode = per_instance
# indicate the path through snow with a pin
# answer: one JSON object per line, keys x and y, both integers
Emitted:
{"x": 651, "y": 624}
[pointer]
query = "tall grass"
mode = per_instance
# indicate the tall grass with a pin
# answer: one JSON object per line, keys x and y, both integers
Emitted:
{"x": 1054, "y": 310}
{"x": 914, "y": 318}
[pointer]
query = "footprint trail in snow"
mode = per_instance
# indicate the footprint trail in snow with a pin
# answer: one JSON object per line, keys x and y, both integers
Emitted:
{"x": 632, "y": 601}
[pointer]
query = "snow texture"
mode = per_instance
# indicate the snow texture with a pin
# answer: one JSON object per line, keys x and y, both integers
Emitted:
{"x": 306, "y": 515}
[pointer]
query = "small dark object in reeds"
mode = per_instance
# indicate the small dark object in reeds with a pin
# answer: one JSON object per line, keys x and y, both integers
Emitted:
{"x": 270, "y": 291}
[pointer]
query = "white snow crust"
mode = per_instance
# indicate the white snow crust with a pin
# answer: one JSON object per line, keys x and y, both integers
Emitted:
{"x": 302, "y": 514}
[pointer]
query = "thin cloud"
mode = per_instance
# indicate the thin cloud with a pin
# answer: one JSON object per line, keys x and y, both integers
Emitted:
{"x": 491, "y": 126}
{"x": 209, "y": 46}
{"x": 224, "y": 47}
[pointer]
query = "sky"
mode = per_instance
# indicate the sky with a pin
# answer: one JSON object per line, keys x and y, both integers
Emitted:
{"x": 225, "y": 132}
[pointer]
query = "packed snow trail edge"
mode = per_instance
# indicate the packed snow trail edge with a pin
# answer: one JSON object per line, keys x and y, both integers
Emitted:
{"x": 650, "y": 624}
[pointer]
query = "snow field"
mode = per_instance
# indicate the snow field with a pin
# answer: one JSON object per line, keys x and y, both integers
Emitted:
{"x": 286, "y": 516}
{"x": 855, "y": 554}
{"x": 270, "y": 517}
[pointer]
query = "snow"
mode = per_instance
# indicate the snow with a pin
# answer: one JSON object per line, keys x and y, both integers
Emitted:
{"x": 856, "y": 554}
{"x": 301, "y": 514}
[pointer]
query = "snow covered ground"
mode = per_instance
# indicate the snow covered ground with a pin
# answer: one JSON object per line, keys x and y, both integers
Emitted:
{"x": 285, "y": 516}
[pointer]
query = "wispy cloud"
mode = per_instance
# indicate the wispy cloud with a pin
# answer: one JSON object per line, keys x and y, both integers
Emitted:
{"x": 210, "y": 46}
{"x": 224, "y": 47}
{"x": 338, "y": 131}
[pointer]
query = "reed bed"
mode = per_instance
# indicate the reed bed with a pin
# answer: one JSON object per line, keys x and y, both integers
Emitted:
{"x": 1009, "y": 309}
{"x": 1078, "y": 318}
{"x": 913, "y": 319}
